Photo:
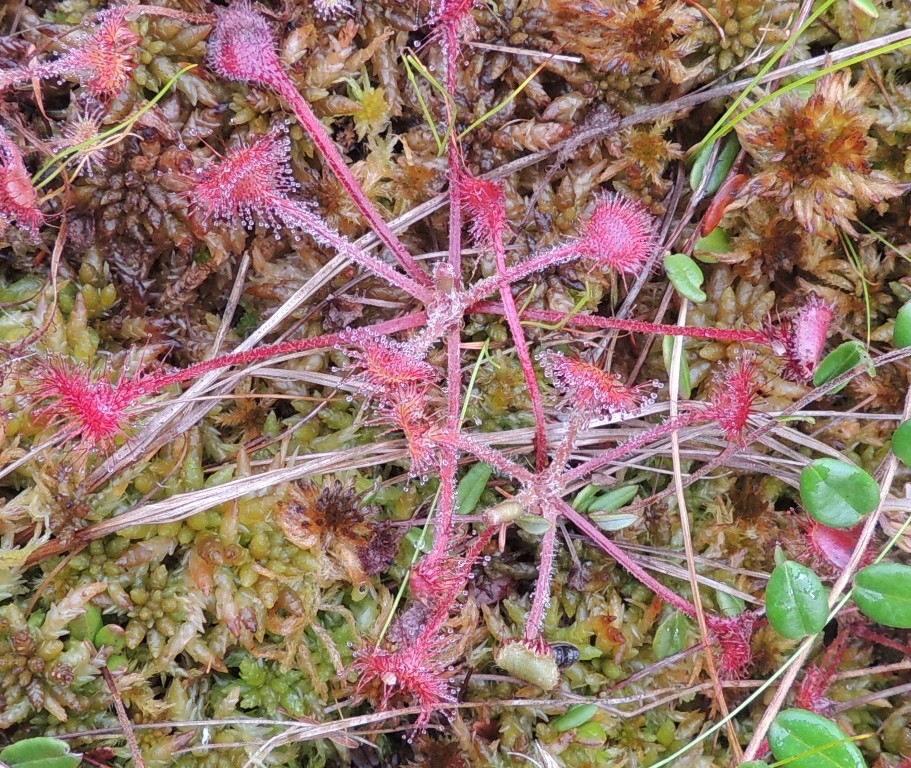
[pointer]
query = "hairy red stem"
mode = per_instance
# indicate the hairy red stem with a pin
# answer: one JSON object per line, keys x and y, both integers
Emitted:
{"x": 624, "y": 449}
{"x": 334, "y": 160}
{"x": 296, "y": 214}
{"x": 528, "y": 369}
{"x": 627, "y": 562}
{"x": 534, "y": 623}
{"x": 492, "y": 456}
{"x": 155, "y": 382}
{"x": 745, "y": 335}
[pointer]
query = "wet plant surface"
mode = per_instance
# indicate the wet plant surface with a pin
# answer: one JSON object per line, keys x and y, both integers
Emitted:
{"x": 457, "y": 384}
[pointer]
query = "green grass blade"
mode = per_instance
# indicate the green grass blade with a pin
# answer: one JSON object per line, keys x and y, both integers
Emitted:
{"x": 65, "y": 155}
{"x": 503, "y": 104}
{"x": 767, "y": 67}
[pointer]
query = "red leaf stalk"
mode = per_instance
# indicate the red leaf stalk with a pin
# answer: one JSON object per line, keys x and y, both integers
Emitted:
{"x": 254, "y": 180}
{"x": 242, "y": 47}
{"x": 95, "y": 411}
{"x": 534, "y": 623}
{"x": 487, "y": 204}
{"x": 627, "y": 562}
{"x": 619, "y": 235}
{"x": 733, "y": 335}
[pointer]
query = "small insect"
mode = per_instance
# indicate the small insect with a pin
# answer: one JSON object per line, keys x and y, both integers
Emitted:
{"x": 565, "y": 654}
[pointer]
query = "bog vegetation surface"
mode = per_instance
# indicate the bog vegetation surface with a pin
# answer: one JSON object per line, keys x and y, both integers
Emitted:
{"x": 449, "y": 384}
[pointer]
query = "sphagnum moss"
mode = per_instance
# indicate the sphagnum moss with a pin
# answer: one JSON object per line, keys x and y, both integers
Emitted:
{"x": 279, "y": 603}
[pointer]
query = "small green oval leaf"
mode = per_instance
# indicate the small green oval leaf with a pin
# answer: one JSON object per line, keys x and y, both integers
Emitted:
{"x": 867, "y": 7}
{"x": 901, "y": 442}
{"x": 110, "y": 634}
{"x": 808, "y": 740}
{"x": 471, "y": 486}
{"x": 838, "y": 494}
{"x": 883, "y": 593}
{"x": 613, "y": 500}
{"x": 614, "y": 521}
{"x": 534, "y": 524}
{"x": 40, "y": 752}
{"x": 840, "y": 360}
{"x": 583, "y": 498}
{"x": 667, "y": 351}
{"x": 901, "y": 333}
{"x": 723, "y": 163}
{"x": 796, "y": 601}
{"x": 716, "y": 241}
{"x": 686, "y": 276}
{"x": 574, "y": 717}
{"x": 84, "y": 626}
{"x": 670, "y": 636}
{"x": 591, "y": 735}
{"x": 700, "y": 160}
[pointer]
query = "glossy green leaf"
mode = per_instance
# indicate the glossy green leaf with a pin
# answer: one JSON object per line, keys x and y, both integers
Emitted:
{"x": 40, "y": 752}
{"x": 842, "y": 359}
{"x": 614, "y": 500}
{"x": 716, "y": 241}
{"x": 901, "y": 442}
{"x": 574, "y": 717}
{"x": 723, "y": 162}
{"x": 901, "y": 333}
{"x": 686, "y": 276}
{"x": 670, "y": 636}
{"x": 883, "y": 593}
{"x": 471, "y": 486}
{"x": 796, "y": 601}
{"x": 867, "y": 7}
{"x": 667, "y": 351}
{"x": 808, "y": 740}
{"x": 838, "y": 494}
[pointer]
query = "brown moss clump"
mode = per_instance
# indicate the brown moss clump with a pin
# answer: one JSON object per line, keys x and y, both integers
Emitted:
{"x": 329, "y": 521}
{"x": 813, "y": 157}
{"x": 630, "y": 36}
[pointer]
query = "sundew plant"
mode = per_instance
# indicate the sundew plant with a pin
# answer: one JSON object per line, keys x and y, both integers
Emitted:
{"x": 394, "y": 383}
